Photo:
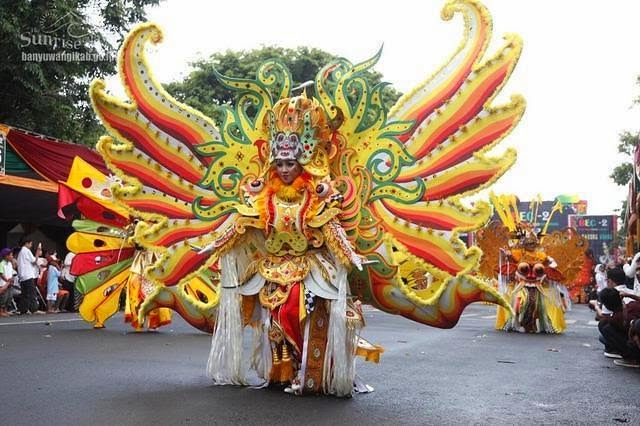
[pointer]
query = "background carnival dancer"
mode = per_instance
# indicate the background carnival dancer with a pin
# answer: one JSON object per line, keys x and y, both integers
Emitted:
{"x": 107, "y": 261}
{"x": 138, "y": 289}
{"x": 532, "y": 268}
{"x": 366, "y": 182}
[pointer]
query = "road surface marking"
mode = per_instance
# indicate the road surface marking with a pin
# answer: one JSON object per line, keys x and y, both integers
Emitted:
{"x": 569, "y": 321}
{"x": 468, "y": 315}
{"x": 41, "y": 322}
{"x": 488, "y": 317}
{"x": 593, "y": 322}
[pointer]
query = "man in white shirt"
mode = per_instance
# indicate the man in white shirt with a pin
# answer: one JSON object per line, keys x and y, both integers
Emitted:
{"x": 27, "y": 275}
{"x": 68, "y": 281}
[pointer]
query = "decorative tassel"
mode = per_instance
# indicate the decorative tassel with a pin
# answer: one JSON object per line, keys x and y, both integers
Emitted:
{"x": 276, "y": 364}
{"x": 286, "y": 367}
{"x": 339, "y": 362}
{"x": 261, "y": 358}
{"x": 225, "y": 359}
{"x": 514, "y": 322}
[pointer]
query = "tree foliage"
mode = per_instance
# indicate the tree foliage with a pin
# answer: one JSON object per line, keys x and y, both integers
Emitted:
{"x": 201, "y": 90}
{"x": 623, "y": 173}
{"x": 51, "y": 49}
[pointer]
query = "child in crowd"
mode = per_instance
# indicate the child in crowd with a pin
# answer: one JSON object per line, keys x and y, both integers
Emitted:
{"x": 56, "y": 297}
{"x": 600, "y": 277}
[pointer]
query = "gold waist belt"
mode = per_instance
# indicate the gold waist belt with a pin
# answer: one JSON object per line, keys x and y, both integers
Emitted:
{"x": 273, "y": 295}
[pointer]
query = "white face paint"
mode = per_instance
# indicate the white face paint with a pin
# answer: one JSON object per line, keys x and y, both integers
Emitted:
{"x": 288, "y": 170}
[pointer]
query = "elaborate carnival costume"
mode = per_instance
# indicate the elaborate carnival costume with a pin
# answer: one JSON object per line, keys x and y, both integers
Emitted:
{"x": 532, "y": 269}
{"x": 373, "y": 216}
{"x": 139, "y": 289}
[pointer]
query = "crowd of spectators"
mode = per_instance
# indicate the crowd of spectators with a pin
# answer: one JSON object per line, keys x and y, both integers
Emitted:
{"x": 617, "y": 306}
{"x": 35, "y": 283}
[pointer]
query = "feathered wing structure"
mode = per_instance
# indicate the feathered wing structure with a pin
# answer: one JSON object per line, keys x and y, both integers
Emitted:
{"x": 402, "y": 173}
{"x": 178, "y": 170}
{"x": 566, "y": 247}
{"x": 491, "y": 239}
{"x": 405, "y": 172}
{"x": 105, "y": 254}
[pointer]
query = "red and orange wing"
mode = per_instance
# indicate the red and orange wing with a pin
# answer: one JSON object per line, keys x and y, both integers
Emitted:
{"x": 178, "y": 171}
{"x": 404, "y": 173}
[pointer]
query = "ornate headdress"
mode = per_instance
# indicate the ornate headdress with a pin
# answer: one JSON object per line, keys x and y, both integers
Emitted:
{"x": 298, "y": 131}
{"x": 525, "y": 236}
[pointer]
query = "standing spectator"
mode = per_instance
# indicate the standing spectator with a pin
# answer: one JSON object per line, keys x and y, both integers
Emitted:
{"x": 28, "y": 272}
{"x": 6, "y": 280}
{"x": 68, "y": 281}
{"x": 601, "y": 277}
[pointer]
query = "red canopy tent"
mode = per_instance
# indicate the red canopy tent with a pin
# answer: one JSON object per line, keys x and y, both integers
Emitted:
{"x": 50, "y": 158}
{"x": 33, "y": 165}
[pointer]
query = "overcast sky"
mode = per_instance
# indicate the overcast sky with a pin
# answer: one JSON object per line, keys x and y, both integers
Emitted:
{"x": 577, "y": 70}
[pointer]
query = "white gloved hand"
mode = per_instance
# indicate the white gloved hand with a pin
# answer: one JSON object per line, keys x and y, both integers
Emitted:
{"x": 207, "y": 249}
{"x": 357, "y": 261}
{"x": 201, "y": 250}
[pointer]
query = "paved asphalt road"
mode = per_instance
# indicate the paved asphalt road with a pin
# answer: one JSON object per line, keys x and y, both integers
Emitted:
{"x": 57, "y": 370}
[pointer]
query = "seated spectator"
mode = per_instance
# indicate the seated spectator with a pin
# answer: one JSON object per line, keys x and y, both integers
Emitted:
{"x": 631, "y": 354}
{"x": 6, "y": 281}
{"x": 17, "y": 290}
{"x": 614, "y": 327}
{"x": 611, "y": 322}
{"x": 614, "y": 278}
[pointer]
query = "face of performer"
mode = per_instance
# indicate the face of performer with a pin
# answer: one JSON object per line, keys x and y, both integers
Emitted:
{"x": 288, "y": 170}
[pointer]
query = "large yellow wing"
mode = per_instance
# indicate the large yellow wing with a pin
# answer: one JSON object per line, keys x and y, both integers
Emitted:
{"x": 404, "y": 173}
{"x": 179, "y": 170}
